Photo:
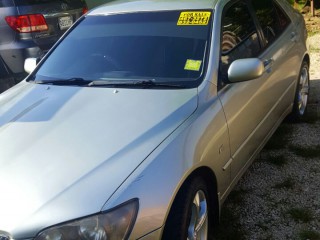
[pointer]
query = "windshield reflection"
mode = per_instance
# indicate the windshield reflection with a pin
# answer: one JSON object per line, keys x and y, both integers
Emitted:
{"x": 139, "y": 46}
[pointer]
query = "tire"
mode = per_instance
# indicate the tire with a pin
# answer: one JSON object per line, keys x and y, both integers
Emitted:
{"x": 190, "y": 217}
{"x": 302, "y": 94}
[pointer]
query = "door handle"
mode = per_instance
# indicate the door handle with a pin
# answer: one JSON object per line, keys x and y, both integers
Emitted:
{"x": 293, "y": 36}
{"x": 268, "y": 62}
{"x": 268, "y": 65}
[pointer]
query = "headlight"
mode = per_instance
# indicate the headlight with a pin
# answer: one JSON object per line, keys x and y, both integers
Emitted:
{"x": 115, "y": 224}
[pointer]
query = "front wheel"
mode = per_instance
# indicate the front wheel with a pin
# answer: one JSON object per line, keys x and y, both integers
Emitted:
{"x": 189, "y": 218}
{"x": 302, "y": 94}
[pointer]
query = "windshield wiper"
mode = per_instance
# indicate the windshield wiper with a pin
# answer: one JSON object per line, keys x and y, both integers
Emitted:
{"x": 138, "y": 83}
{"x": 65, "y": 82}
{"x": 152, "y": 83}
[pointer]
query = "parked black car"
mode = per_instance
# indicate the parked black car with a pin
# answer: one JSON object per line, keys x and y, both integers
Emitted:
{"x": 29, "y": 28}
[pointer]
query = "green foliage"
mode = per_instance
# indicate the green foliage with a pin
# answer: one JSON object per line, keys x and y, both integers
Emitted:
{"x": 291, "y": 2}
{"x": 299, "y": 4}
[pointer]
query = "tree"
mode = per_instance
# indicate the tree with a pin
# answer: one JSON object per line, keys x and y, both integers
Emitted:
{"x": 312, "y": 7}
{"x": 303, "y": 3}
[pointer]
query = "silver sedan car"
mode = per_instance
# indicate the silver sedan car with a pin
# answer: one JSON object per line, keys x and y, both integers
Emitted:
{"x": 141, "y": 119}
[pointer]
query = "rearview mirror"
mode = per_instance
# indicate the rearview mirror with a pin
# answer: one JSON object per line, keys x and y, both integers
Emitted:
{"x": 245, "y": 69}
{"x": 30, "y": 64}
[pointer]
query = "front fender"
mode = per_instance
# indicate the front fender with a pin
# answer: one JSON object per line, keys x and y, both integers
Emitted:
{"x": 196, "y": 143}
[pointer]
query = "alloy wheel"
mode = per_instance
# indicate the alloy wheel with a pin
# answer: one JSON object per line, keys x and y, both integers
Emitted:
{"x": 303, "y": 90}
{"x": 198, "y": 227}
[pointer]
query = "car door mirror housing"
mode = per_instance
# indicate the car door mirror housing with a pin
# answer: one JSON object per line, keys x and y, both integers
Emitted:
{"x": 245, "y": 69}
{"x": 30, "y": 64}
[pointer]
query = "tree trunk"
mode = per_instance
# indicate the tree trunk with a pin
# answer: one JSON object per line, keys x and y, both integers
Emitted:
{"x": 312, "y": 8}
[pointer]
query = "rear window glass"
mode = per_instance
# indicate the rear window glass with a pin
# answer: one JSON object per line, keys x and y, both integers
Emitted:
{"x": 6, "y": 3}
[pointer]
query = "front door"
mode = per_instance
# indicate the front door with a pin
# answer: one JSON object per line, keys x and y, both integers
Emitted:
{"x": 252, "y": 107}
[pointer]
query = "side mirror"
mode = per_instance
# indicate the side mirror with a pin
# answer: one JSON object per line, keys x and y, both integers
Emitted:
{"x": 245, "y": 69}
{"x": 30, "y": 64}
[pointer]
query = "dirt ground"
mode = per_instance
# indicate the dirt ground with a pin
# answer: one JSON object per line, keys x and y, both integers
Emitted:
{"x": 313, "y": 23}
{"x": 314, "y": 48}
{"x": 313, "y": 26}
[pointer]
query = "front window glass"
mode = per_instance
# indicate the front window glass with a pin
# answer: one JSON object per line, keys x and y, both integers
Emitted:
{"x": 239, "y": 37}
{"x": 145, "y": 46}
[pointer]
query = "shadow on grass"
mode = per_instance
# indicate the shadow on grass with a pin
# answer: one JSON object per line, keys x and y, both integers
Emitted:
{"x": 309, "y": 234}
{"x": 229, "y": 227}
{"x": 306, "y": 151}
{"x": 278, "y": 160}
{"x": 301, "y": 214}
{"x": 280, "y": 137}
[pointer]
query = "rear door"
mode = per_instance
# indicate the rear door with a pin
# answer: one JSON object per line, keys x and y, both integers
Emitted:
{"x": 281, "y": 53}
{"x": 59, "y": 15}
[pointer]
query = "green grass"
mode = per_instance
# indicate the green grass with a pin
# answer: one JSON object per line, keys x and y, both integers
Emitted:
{"x": 280, "y": 137}
{"x": 279, "y": 160}
{"x": 309, "y": 234}
{"x": 289, "y": 183}
{"x": 301, "y": 214}
{"x": 306, "y": 152}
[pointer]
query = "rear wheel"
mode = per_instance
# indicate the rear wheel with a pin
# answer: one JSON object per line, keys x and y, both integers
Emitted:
{"x": 190, "y": 216}
{"x": 302, "y": 93}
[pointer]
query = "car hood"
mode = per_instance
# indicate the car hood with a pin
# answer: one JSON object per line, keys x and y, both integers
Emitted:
{"x": 65, "y": 150}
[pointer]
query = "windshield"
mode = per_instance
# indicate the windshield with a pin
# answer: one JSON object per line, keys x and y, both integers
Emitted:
{"x": 163, "y": 47}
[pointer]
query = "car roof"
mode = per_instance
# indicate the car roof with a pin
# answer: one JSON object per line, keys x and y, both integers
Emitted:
{"x": 123, "y": 6}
